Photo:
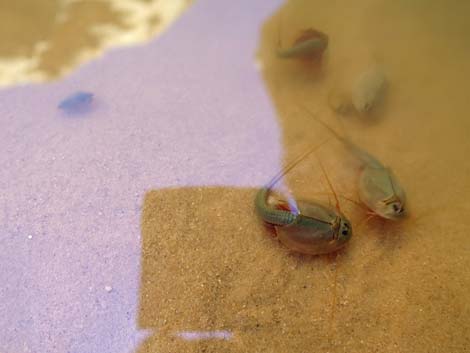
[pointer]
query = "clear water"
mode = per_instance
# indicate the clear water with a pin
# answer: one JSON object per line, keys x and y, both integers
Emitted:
{"x": 213, "y": 279}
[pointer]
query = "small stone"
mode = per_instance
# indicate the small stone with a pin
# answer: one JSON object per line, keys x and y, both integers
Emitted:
{"x": 108, "y": 289}
{"x": 77, "y": 103}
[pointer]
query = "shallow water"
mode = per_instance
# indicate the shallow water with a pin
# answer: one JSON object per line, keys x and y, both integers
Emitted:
{"x": 210, "y": 269}
{"x": 403, "y": 284}
{"x": 398, "y": 286}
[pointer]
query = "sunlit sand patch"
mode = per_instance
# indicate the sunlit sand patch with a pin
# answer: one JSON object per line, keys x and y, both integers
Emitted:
{"x": 79, "y": 32}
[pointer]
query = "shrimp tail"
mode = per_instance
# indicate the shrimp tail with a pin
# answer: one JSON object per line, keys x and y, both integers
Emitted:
{"x": 274, "y": 215}
{"x": 366, "y": 158}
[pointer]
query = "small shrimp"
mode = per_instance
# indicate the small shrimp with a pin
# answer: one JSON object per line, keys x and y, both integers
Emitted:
{"x": 366, "y": 92}
{"x": 378, "y": 187}
{"x": 368, "y": 89}
{"x": 310, "y": 46}
{"x": 304, "y": 226}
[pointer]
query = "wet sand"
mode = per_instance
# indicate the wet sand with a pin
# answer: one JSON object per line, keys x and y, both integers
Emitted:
{"x": 209, "y": 264}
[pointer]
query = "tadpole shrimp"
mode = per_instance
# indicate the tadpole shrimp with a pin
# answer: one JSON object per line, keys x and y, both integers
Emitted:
{"x": 378, "y": 188}
{"x": 309, "y": 45}
{"x": 367, "y": 90}
{"x": 306, "y": 227}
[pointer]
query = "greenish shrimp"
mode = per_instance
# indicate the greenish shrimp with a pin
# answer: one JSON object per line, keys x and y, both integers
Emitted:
{"x": 304, "y": 226}
{"x": 378, "y": 188}
{"x": 310, "y": 46}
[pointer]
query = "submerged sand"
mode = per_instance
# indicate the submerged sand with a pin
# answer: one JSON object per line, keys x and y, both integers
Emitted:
{"x": 209, "y": 264}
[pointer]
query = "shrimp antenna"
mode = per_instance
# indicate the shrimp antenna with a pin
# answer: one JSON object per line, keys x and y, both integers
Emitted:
{"x": 358, "y": 204}
{"x": 318, "y": 120}
{"x": 359, "y": 152}
{"x": 330, "y": 185}
{"x": 294, "y": 163}
{"x": 367, "y": 219}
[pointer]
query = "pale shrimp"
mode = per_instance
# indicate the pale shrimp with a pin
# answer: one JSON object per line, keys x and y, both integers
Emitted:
{"x": 367, "y": 90}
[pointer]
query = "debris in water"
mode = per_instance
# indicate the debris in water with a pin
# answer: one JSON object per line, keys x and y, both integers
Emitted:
{"x": 77, "y": 103}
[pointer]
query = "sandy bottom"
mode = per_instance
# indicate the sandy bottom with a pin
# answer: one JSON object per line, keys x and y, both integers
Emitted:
{"x": 209, "y": 264}
{"x": 43, "y": 40}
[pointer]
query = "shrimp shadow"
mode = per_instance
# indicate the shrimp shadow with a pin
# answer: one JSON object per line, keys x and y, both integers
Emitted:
{"x": 213, "y": 279}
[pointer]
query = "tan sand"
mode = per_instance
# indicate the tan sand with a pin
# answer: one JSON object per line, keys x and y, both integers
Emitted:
{"x": 52, "y": 38}
{"x": 209, "y": 264}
